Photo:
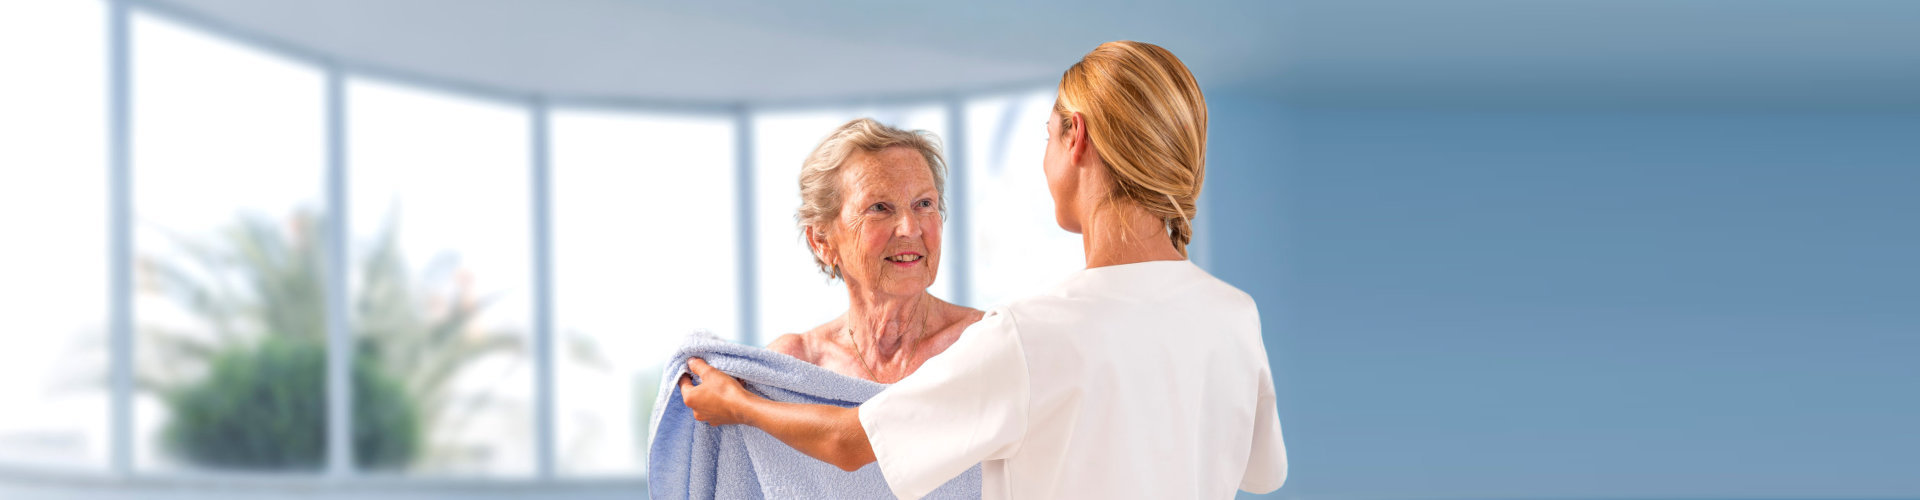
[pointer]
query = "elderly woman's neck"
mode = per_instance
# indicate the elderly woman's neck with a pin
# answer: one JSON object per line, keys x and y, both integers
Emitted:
{"x": 890, "y": 323}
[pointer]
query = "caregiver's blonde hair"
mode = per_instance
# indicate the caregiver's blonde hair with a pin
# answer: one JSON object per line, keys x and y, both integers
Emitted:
{"x": 820, "y": 189}
{"x": 1148, "y": 122}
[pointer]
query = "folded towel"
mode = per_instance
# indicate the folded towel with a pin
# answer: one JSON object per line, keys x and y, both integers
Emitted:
{"x": 690, "y": 459}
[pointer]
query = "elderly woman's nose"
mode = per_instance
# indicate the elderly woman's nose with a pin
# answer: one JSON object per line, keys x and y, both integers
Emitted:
{"x": 907, "y": 226}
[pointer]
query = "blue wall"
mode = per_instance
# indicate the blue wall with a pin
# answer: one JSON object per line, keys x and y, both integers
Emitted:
{"x": 1469, "y": 301}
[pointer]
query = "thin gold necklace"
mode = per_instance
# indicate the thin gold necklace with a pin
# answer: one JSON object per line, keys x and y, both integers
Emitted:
{"x": 863, "y": 355}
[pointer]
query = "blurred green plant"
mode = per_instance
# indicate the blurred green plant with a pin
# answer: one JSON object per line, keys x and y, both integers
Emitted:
{"x": 234, "y": 385}
{"x": 264, "y": 407}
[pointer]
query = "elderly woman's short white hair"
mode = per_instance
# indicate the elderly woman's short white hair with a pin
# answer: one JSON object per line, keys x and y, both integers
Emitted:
{"x": 820, "y": 189}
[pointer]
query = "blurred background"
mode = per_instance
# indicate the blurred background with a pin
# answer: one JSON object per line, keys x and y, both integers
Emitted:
{"x": 1502, "y": 248}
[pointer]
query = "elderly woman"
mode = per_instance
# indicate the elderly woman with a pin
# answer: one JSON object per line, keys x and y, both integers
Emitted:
{"x": 872, "y": 201}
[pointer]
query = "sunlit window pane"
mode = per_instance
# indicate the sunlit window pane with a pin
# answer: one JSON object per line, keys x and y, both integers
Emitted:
{"x": 644, "y": 252}
{"x": 1017, "y": 248}
{"x": 53, "y": 204}
{"x": 228, "y": 164}
{"x": 440, "y": 275}
{"x": 793, "y": 295}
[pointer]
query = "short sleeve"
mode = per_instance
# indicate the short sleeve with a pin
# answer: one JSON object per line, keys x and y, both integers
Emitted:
{"x": 1267, "y": 462}
{"x": 962, "y": 407}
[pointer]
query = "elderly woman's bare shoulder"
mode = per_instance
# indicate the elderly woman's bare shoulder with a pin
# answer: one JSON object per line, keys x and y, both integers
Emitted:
{"x": 792, "y": 344}
{"x": 803, "y": 345}
{"x": 956, "y": 319}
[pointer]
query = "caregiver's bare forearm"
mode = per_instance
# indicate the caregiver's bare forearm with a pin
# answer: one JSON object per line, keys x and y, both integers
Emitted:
{"x": 829, "y": 433}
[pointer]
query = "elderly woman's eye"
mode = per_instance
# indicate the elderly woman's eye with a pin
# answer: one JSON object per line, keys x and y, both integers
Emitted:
{"x": 877, "y": 207}
{"x": 924, "y": 204}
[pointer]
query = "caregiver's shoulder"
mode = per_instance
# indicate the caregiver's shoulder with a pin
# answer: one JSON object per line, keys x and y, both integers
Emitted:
{"x": 1232, "y": 303}
{"x": 1221, "y": 292}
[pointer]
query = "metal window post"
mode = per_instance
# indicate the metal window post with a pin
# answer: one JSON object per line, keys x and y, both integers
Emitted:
{"x": 120, "y": 236}
{"x": 744, "y": 226}
{"x": 959, "y": 255}
{"x": 542, "y": 293}
{"x": 340, "y": 351}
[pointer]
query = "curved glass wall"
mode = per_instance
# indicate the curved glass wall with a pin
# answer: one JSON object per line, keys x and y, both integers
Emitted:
{"x": 641, "y": 235}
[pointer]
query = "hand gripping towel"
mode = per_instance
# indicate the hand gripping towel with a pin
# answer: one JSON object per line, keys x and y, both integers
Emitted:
{"x": 690, "y": 459}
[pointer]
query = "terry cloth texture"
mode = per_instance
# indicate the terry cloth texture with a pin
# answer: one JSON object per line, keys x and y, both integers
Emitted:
{"x": 692, "y": 460}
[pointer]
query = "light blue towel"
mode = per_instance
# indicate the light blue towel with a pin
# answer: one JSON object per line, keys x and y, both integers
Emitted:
{"x": 692, "y": 460}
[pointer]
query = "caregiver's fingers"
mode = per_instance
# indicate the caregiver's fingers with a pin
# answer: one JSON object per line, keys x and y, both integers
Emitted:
{"x": 699, "y": 367}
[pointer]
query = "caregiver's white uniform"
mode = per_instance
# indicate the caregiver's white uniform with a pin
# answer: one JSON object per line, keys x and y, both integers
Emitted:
{"x": 1142, "y": 380}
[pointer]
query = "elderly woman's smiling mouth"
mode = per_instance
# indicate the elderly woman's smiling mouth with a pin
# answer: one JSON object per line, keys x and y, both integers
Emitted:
{"x": 905, "y": 259}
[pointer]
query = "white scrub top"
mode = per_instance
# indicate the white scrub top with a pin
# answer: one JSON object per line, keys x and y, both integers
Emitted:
{"x": 1144, "y": 380}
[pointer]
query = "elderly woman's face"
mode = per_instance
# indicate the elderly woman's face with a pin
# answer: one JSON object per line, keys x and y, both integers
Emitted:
{"x": 887, "y": 237}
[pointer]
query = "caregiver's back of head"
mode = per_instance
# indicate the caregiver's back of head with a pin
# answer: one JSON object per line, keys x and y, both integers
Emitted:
{"x": 1141, "y": 376}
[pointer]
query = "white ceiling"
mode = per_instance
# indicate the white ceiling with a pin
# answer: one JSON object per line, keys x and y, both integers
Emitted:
{"x": 769, "y": 51}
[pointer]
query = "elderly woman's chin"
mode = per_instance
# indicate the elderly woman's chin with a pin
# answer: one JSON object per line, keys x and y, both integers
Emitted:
{"x": 871, "y": 210}
{"x": 909, "y": 281}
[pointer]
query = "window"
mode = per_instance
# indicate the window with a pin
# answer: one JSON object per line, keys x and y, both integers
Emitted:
{"x": 645, "y": 251}
{"x": 226, "y": 201}
{"x": 440, "y": 277}
{"x": 793, "y": 295}
{"x": 228, "y": 170}
{"x": 1017, "y": 248}
{"x": 53, "y": 207}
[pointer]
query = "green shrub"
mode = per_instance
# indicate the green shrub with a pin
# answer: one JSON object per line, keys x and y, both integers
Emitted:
{"x": 257, "y": 288}
{"x": 263, "y": 406}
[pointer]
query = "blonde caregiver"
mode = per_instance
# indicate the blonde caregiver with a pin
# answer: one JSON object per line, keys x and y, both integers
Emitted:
{"x": 1141, "y": 376}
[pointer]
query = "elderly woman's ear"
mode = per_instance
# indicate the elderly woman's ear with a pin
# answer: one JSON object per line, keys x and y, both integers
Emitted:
{"x": 817, "y": 242}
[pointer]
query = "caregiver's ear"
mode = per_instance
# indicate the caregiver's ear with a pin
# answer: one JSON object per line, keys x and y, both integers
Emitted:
{"x": 1078, "y": 142}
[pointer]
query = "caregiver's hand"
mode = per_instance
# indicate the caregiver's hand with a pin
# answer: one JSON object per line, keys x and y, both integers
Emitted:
{"x": 718, "y": 400}
{"x": 830, "y": 434}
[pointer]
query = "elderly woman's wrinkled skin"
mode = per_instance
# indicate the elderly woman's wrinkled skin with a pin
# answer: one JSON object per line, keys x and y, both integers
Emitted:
{"x": 885, "y": 242}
